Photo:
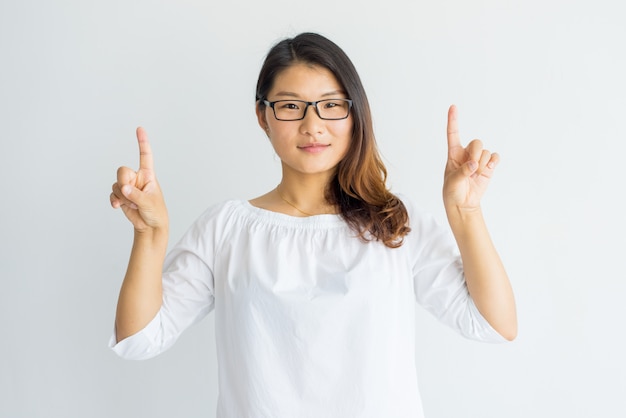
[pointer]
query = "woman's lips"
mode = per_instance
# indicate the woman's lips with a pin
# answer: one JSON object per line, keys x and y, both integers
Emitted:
{"x": 313, "y": 148}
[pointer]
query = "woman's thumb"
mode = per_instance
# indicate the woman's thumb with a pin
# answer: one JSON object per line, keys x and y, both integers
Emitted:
{"x": 469, "y": 168}
{"x": 133, "y": 194}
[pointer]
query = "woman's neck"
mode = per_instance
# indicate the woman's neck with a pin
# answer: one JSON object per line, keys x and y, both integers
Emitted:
{"x": 299, "y": 195}
{"x": 305, "y": 194}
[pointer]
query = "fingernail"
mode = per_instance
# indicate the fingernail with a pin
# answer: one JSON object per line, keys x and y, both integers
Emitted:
{"x": 473, "y": 165}
{"x": 126, "y": 190}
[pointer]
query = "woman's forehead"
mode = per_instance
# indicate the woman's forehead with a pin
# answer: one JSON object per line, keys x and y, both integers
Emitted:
{"x": 301, "y": 80}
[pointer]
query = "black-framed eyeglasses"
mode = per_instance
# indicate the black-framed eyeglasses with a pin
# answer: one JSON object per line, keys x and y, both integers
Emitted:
{"x": 327, "y": 109}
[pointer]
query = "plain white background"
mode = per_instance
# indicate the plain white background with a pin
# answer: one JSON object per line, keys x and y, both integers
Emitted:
{"x": 541, "y": 82}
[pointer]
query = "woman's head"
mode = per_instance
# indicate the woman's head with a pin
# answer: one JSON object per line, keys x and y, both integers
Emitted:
{"x": 316, "y": 50}
{"x": 358, "y": 186}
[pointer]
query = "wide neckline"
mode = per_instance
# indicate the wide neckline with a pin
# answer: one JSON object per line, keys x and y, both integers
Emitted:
{"x": 328, "y": 219}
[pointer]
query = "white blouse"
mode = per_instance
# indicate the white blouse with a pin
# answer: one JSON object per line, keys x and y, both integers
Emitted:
{"x": 310, "y": 321}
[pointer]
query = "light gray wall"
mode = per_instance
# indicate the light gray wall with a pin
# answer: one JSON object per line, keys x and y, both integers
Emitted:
{"x": 541, "y": 82}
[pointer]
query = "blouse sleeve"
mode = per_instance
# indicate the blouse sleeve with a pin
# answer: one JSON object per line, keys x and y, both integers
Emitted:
{"x": 439, "y": 281}
{"x": 188, "y": 295}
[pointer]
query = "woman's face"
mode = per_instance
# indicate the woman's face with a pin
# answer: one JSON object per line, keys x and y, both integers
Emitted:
{"x": 312, "y": 145}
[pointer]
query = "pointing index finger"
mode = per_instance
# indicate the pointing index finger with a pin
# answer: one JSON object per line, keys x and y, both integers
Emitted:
{"x": 454, "y": 140}
{"x": 145, "y": 152}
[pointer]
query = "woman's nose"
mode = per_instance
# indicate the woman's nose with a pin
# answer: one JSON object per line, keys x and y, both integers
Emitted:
{"x": 312, "y": 124}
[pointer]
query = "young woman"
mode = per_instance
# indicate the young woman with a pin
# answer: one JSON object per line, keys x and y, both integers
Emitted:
{"x": 314, "y": 283}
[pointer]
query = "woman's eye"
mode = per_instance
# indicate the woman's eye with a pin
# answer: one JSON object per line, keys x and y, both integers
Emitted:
{"x": 290, "y": 106}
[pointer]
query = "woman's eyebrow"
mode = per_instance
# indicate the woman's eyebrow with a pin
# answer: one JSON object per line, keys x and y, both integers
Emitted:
{"x": 296, "y": 95}
{"x": 287, "y": 94}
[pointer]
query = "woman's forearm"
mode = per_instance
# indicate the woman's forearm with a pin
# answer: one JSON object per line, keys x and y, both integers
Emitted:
{"x": 486, "y": 277}
{"x": 141, "y": 293}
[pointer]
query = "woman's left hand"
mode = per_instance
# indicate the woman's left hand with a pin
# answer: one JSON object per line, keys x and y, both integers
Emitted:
{"x": 468, "y": 170}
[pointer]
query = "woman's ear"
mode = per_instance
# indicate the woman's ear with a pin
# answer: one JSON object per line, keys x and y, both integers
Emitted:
{"x": 260, "y": 115}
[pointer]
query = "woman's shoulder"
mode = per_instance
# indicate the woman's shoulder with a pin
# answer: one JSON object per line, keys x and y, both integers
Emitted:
{"x": 220, "y": 209}
{"x": 224, "y": 206}
{"x": 409, "y": 204}
{"x": 412, "y": 206}
{"x": 421, "y": 220}
{"x": 217, "y": 217}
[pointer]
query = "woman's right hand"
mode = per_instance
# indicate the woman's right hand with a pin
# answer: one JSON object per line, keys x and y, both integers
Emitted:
{"x": 138, "y": 193}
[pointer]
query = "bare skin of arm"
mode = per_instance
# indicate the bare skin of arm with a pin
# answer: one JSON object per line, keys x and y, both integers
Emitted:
{"x": 139, "y": 196}
{"x": 467, "y": 175}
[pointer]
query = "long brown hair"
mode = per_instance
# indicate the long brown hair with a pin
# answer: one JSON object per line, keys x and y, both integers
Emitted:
{"x": 358, "y": 187}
